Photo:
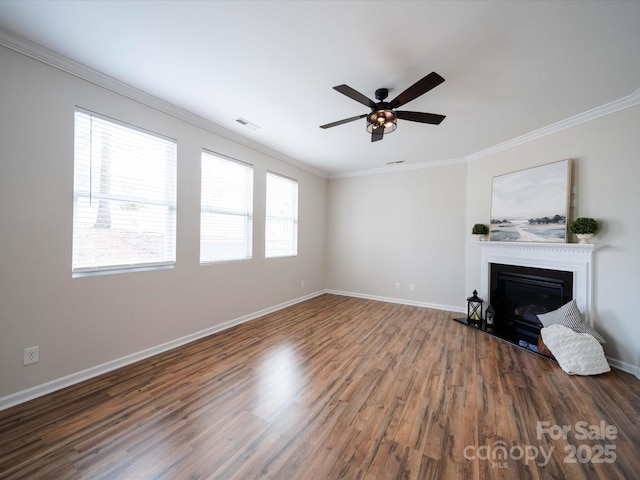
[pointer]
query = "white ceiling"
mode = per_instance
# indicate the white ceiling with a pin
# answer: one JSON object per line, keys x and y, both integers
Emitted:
{"x": 510, "y": 67}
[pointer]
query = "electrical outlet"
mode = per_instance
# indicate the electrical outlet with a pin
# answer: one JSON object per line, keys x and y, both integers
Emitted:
{"x": 412, "y": 287}
{"x": 31, "y": 355}
{"x": 397, "y": 285}
{"x": 302, "y": 284}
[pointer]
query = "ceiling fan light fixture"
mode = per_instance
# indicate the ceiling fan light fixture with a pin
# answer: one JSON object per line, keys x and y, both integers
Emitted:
{"x": 382, "y": 118}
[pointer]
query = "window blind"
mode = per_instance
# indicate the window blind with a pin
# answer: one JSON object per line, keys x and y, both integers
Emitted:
{"x": 124, "y": 196}
{"x": 226, "y": 217}
{"x": 281, "y": 224}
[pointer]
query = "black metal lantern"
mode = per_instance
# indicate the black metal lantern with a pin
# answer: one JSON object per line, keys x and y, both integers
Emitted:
{"x": 474, "y": 310}
{"x": 491, "y": 318}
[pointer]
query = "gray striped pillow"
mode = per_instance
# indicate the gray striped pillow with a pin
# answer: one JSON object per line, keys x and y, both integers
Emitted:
{"x": 569, "y": 316}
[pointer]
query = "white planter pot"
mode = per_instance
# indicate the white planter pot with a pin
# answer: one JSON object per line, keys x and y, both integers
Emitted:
{"x": 584, "y": 237}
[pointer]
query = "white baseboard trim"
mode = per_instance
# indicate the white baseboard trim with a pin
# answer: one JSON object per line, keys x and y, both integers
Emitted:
{"x": 77, "y": 377}
{"x": 402, "y": 301}
{"x": 624, "y": 366}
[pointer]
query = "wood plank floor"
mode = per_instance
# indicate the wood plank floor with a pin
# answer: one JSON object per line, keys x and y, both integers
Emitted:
{"x": 334, "y": 387}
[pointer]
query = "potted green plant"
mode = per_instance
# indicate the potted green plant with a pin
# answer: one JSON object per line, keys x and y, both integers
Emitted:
{"x": 480, "y": 230}
{"x": 584, "y": 228}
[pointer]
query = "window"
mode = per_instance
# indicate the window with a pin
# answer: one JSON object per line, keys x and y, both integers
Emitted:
{"x": 226, "y": 216}
{"x": 281, "y": 229}
{"x": 124, "y": 196}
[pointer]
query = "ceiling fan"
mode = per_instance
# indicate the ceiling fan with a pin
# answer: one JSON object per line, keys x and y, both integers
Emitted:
{"x": 383, "y": 116}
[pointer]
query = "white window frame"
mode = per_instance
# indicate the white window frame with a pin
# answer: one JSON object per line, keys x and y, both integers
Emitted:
{"x": 243, "y": 211}
{"x": 291, "y": 219}
{"x": 169, "y": 200}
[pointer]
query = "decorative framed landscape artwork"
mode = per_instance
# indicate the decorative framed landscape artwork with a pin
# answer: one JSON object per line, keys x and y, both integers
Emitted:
{"x": 531, "y": 205}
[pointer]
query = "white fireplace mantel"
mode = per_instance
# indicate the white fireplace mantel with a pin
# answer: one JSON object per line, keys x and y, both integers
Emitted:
{"x": 568, "y": 257}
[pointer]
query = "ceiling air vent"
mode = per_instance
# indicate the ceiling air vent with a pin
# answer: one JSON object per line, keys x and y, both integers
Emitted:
{"x": 247, "y": 123}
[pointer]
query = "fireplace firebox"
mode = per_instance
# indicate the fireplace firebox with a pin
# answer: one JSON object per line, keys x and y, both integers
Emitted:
{"x": 519, "y": 293}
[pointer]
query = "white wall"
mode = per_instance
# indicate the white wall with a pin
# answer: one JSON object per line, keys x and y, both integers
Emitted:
{"x": 606, "y": 153}
{"x": 83, "y": 322}
{"x": 405, "y": 227}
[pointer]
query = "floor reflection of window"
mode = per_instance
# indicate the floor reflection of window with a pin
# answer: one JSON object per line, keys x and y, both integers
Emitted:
{"x": 279, "y": 379}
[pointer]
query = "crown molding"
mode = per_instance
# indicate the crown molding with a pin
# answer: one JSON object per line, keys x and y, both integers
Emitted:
{"x": 42, "y": 54}
{"x": 612, "y": 107}
{"x": 53, "y": 59}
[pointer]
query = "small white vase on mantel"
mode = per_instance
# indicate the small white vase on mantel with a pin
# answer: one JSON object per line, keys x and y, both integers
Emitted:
{"x": 584, "y": 237}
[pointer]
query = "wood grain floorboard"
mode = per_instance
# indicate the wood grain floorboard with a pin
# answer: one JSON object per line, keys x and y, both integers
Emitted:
{"x": 331, "y": 388}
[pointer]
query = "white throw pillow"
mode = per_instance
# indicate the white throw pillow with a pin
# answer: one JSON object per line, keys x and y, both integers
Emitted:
{"x": 576, "y": 353}
{"x": 569, "y": 315}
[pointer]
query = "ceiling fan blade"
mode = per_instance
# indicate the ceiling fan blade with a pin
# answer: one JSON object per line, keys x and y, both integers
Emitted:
{"x": 355, "y": 95}
{"x": 432, "y": 118}
{"x": 414, "y": 91}
{"x": 377, "y": 134}
{"x": 346, "y": 120}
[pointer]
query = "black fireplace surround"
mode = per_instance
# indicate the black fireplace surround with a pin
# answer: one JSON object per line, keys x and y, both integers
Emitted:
{"x": 518, "y": 294}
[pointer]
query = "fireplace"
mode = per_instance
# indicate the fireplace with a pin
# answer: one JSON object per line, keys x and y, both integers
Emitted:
{"x": 575, "y": 261}
{"x": 519, "y": 293}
